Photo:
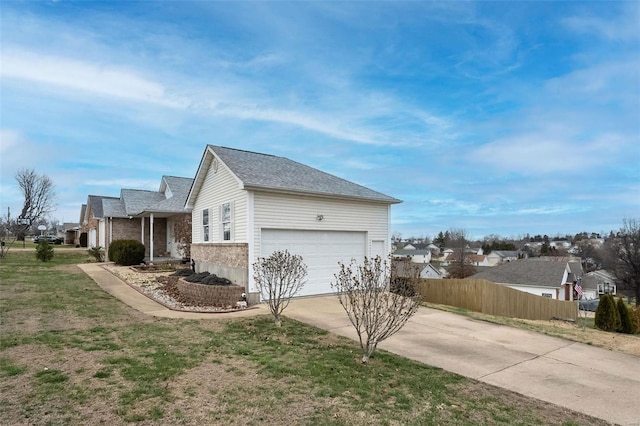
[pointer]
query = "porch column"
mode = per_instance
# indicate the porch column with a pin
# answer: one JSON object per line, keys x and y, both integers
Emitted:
{"x": 142, "y": 229}
{"x": 151, "y": 237}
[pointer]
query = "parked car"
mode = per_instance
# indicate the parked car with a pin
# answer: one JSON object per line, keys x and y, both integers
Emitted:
{"x": 588, "y": 305}
{"x": 50, "y": 238}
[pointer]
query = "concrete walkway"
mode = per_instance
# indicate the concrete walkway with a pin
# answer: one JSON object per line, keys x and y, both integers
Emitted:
{"x": 594, "y": 381}
{"x": 121, "y": 290}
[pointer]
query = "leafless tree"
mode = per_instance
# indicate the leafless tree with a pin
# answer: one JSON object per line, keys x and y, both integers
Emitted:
{"x": 278, "y": 278}
{"x": 461, "y": 265}
{"x": 624, "y": 256}
{"x": 182, "y": 235}
{"x": 38, "y": 195}
{"x": 375, "y": 312}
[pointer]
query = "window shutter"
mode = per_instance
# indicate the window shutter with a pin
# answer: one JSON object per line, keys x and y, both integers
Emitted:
{"x": 232, "y": 220}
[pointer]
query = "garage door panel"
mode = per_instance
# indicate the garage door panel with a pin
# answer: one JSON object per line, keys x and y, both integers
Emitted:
{"x": 320, "y": 250}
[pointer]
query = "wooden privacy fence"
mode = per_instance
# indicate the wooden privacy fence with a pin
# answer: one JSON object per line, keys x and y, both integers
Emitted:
{"x": 494, "y": 299}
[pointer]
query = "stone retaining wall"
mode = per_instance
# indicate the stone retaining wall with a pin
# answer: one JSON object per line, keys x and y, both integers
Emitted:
{"x": 210, "y": 295}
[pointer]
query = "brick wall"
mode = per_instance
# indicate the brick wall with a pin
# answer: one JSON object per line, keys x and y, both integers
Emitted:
{"x": 228, "y": 260}
{"x": 129, "y": 229}
{"x": 210, "y": 295}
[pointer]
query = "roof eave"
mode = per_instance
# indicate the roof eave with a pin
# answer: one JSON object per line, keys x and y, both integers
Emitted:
{"x": 320, "y": 194}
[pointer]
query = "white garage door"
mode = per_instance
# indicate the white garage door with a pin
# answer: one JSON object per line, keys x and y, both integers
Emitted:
{"x": 320, "y": 250}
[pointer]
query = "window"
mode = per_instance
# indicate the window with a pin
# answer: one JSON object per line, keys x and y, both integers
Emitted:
{"x": 225, "y": 221}
{"x": 205, "y": 225}
{"x": 549, "y": 295}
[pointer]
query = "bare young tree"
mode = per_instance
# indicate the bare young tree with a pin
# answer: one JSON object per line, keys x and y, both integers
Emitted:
{"x": 278, "y": 278}
{"x": 375, "y": 312}
{"x": 624, "y": 256}
{"x": 38, "y": 195}
{"x": 461, "y": 265}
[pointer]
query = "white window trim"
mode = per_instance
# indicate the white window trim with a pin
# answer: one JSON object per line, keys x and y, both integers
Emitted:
{"x": 231, "y": 222}
{"x": 206, "y": 227}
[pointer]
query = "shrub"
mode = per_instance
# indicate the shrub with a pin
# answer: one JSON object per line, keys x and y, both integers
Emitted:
{"x": 215, "y": 280}
{"x": 44, "y": 251}
{"x": 626, "y": 324}
{"x": 635, "y": 319}
{"x": 97, "y": 253}
{"x": 126, "y": 252}
{"x": 184, "y": 272}
{"x": 607, "y": 315}
{"x": 197, "y": 278}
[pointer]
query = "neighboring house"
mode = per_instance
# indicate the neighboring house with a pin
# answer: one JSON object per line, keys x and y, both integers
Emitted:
{"x": 147, "y": 216}
{"x": 246, "y": 205}
{"x": 93, "y": 223}
{"x": 416, "y": 256}
{"x": 497, "y": 257}
{"x": 430, "y": 271}
{"x": 554, "y": 279}
{"x": 408, "y": 269}
{"x": 560, "y": 244}
{"x": 71, "y": 233}
{"x": 472, "y": 259}
{"x": 601, "y": 282}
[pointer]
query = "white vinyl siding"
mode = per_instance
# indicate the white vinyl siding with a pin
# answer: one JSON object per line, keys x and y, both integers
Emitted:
{"x": 282, "y": 211}
{"x": 218, "y": 188}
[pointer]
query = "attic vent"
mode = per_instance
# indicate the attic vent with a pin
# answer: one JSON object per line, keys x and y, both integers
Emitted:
{"x": 215, "y": 165}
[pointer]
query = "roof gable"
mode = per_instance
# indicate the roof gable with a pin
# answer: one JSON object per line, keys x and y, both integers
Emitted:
{"x": 541, "y": 273}
{"x": 255, "y": 171}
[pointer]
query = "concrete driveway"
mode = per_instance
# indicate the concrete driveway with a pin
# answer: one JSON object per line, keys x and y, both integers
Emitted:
{"x": 594, "y": 381}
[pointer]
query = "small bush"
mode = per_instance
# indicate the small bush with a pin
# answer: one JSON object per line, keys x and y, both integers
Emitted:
{"x": 97, "y": 253}
{"x": 126, "y": 252}
{"x": 626, "y": 324}
{"x": 403, "y": 286}
{"x": 44, "y": 251}
{"x": 635, "y": 319}
{"x": 183, "y": 272}
{"x": 607, "y": 315}
{"x": 215, "y": 280}
{"x": 197, "y": 278}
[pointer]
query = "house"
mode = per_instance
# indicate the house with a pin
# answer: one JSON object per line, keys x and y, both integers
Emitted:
{"x": 470, "y": 257}
{"x": 71, "y": 233}
{"x": 147, "y": 216}
{"x": 92, "y": 222}
{"x": 416, "y": 256}
{"x": 409, "y": 269}
{"x": 246, "y": 205}
{"x": 550, "y": 278}
{"x": 497, "y": 257}
{"x": 598, "y": 283}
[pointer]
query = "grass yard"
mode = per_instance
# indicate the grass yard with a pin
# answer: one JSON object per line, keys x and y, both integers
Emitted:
{"x": 72, "y": 354}
{"x": 582, "y": 331}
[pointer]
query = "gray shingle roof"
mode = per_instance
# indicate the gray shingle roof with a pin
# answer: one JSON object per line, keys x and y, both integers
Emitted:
{"x": 526, "y": 272}
{"x": 113, "y": 208}
{"x": 269, "y": 172}
{"x": 95, "y": 202}
{"x": 138, "y": 200}
{"x": 178, "y": 188}
{"x": 83, "y": 210}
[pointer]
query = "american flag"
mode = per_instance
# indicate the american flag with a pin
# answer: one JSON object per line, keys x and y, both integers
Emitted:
{"x": 578, "y": 288}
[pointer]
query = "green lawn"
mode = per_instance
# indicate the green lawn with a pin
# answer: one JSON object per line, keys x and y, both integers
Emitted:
{"x": 72, "y": 354}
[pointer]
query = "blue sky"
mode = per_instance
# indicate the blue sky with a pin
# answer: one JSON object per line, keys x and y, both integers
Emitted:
{"x": 496, "y": 117}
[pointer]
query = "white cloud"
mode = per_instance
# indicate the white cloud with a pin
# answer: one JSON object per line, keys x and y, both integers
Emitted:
{"x": 90, "y": 78}
{"x": 125, "y": 183}
{"x": 623, "y": 27}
